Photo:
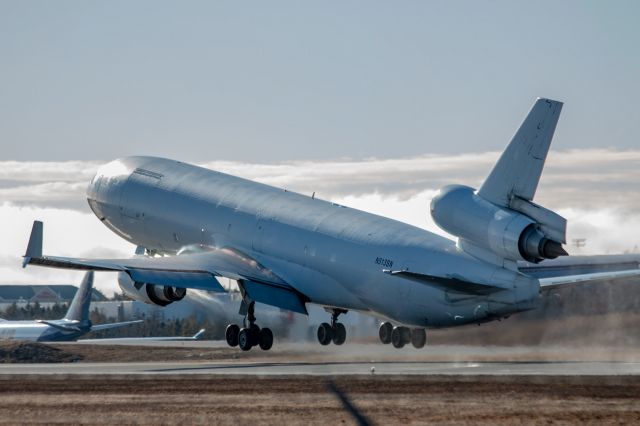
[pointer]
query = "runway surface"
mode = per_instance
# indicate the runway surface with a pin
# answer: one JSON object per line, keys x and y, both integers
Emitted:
{"x": 329, "y": 369}
{"x": 146, "y": 357}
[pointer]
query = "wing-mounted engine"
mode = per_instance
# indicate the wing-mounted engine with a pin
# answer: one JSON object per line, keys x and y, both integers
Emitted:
{"x": 153, "y": 294}
{"x": 521, "y": 231}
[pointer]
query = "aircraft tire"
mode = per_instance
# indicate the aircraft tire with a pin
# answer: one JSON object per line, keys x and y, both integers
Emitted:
{"x": 339, "y": 334}
{"x": 265, "y": 339}
{"x": 231, "y": 334}
{"x": 384, "y": 332}
{"x": 325, "y": 334}
{"x": 255, "y": 334}
{"x": 398, "y": 337}
{"x": 418, "y": 338}
{"x": 244, "y": 339}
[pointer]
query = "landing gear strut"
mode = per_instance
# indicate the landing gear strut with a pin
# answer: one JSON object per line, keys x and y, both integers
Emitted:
{"x": 250, "y": 334}
{"x": 334, "y": 332}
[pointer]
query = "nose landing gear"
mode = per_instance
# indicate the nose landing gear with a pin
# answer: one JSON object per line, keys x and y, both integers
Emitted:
{"x": 334, "y": 332}
{"x": 248, "y": 337}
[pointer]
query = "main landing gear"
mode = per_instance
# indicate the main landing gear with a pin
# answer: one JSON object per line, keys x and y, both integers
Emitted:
{"x": 334, "y": 332}
{"x": 400, "y": 336}
{"x": 249, "y": 336}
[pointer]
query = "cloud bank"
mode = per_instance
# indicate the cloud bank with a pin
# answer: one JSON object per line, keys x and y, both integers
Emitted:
{"x": 595, "y": 189}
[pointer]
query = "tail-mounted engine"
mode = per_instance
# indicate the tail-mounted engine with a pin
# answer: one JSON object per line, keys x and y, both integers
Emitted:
{"x": 523, "y": 231}
{"x": 150, "y": 293}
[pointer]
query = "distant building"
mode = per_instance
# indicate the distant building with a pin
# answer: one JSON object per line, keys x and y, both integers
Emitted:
{"x": 61, "y": 293}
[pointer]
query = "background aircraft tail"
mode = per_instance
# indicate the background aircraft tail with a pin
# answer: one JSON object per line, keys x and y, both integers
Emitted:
{"x": 79, "y": 308}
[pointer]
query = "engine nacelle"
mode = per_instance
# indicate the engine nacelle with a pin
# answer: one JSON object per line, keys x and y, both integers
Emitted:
{"x": 150, "y": 293}
{"x": 458, "y": 210}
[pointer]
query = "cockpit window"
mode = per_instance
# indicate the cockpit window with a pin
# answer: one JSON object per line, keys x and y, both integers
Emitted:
{"x": 148, "y": 173}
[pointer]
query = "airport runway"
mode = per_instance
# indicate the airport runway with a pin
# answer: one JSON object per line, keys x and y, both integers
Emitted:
{"x": 332, "y": 368}
{"x": 208, "y": 382}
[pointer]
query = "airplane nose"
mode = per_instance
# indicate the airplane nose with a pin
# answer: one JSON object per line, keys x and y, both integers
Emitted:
{"x": 103, "y": 192}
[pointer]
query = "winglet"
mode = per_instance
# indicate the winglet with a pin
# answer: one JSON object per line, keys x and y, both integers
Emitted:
{"x": 34, "y": 248}
{"x": 199, "y": 335}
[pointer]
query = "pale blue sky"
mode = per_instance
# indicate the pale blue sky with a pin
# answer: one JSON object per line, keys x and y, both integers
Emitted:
{"x": 278, "y": 81}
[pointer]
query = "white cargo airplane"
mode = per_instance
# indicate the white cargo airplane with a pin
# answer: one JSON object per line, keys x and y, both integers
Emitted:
{"x": 74, "y": 324}
{"x": 286, "y": 249}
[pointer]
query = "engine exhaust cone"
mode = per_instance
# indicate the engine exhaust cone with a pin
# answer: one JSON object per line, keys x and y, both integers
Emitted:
{"x": 553, "y": 249}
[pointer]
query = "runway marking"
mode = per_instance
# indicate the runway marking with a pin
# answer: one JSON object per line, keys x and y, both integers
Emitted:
{"x": 330, "y": 368}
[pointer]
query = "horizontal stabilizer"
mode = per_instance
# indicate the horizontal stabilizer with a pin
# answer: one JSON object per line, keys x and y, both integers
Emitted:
{"x": 580, "y": 265}
{"x": 445, "y": 283}
{"x": 518, "y": 170}
{"x": 568, "y": 280}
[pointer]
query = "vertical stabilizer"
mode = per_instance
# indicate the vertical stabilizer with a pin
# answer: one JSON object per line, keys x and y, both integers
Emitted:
{"x": 79, "y": 308}
{"x": 519, "y": 168}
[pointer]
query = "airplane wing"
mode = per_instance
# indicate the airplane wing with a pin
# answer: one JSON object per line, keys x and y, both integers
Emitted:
{"x": 197, "y": 270}
{"x": 100, "y": 327}
{"x": 194, "y": 270}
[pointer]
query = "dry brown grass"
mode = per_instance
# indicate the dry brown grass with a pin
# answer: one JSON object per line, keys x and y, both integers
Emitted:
{"x": 307, "y": 400}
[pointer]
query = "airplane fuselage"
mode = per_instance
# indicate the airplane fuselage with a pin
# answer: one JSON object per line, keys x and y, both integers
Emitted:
{"x": 34, "y": 331}
{"x": 334, "y": 255}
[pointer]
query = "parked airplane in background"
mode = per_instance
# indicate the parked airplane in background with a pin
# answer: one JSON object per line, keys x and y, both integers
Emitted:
{"x": 74, "y": 324}
{"x": 286, "y": 249}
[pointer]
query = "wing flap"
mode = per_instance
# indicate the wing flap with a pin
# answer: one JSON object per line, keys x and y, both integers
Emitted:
{"x": 199, "y": 280}
{"x": 281, "y": 297}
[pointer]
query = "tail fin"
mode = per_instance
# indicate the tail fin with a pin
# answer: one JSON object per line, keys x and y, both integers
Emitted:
{"x": 79, "y": 308}
{"x": 519, "y": 168}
